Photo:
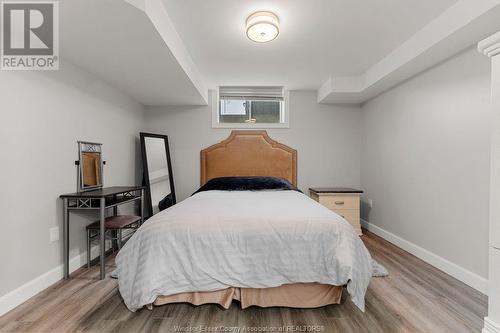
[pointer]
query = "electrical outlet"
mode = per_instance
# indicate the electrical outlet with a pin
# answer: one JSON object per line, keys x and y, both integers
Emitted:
{"x": 54, "y": 234}
{"x": 370, "y": 203}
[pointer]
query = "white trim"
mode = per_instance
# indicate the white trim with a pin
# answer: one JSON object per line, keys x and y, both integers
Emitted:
{"x": 215, "y": 115}
{"x": 490, "y": 326}
{"x": 21, "y": 294}
{"x": 469, "y": 278}
{"x": 490, "y": 46}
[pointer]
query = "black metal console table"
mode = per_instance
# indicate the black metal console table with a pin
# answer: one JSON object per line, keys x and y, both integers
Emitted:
{"x": 102, "y": 199}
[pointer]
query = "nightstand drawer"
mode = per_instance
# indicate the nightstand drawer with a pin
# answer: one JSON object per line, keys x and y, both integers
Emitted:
{"x": 352, "y": 216}
{"x": 336, "y": 202}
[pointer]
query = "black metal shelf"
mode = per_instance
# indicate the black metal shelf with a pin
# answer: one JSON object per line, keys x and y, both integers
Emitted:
{"x": 111, "y": 202}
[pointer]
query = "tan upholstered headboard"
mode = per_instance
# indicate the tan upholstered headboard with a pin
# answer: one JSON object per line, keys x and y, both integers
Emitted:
{"x": 249, "y": 153}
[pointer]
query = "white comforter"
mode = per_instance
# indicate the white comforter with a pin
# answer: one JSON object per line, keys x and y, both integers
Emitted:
{"x": 215, "y": 240}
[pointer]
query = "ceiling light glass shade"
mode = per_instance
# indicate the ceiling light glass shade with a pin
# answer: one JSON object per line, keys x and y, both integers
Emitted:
{"x": 263, "y": 27}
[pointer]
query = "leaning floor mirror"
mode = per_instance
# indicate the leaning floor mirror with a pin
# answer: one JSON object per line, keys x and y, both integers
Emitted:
{"x": 158, "y": 178}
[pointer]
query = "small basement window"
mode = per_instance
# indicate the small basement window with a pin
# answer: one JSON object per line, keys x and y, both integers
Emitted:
{"x": 250, "y": 107}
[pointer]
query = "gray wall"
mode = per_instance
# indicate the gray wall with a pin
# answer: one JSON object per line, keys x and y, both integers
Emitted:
{"x": 425, "y": 160}
{"x": 42, "y": 115}
{"x": 327, "y": 139}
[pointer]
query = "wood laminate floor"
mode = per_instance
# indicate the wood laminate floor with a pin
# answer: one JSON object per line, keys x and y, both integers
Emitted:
{"x": 415, "y": 297}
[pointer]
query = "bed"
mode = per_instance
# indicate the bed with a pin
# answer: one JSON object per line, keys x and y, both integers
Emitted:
{"x": 269, "y": 246}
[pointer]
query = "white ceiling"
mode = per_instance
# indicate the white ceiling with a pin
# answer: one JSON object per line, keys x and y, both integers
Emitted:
{"x": 168, "y": 52}
{"x": 319, "y": 38}
{"x": 118, "y": 43}
{"x": 456, "y": 29}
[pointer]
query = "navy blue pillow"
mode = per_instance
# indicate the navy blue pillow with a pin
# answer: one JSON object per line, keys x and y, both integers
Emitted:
{"x": 247, "y": 184}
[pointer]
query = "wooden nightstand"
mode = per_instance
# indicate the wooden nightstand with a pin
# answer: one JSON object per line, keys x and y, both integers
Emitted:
{"x": 343, "y": 201}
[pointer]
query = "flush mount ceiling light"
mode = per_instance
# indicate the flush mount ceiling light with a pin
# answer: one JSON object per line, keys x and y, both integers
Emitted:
{"x": 263, "y": 27}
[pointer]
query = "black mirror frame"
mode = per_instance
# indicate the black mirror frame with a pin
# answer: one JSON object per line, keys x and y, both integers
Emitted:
{"x": 149, "y": 204}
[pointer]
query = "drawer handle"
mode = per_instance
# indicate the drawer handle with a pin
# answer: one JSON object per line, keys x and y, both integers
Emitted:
{"x": 339, "y": 202}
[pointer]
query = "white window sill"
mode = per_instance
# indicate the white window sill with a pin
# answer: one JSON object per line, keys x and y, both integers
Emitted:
{"x": 248, "y": 126}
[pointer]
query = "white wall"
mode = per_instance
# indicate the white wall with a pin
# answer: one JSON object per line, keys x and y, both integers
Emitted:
{"x": 327, "y": 139}
{"x": 42, "y": 115}
{"x": 425, "y": 161}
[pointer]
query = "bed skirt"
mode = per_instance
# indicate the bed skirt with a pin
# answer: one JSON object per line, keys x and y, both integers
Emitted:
{"x": 295, "y": 295}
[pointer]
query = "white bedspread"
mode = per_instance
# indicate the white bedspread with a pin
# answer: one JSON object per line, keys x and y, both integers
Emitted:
{"x": 215, "y": 240}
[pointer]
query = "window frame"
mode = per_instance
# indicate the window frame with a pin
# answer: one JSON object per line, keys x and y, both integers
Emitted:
{"x": 217, "y": 124}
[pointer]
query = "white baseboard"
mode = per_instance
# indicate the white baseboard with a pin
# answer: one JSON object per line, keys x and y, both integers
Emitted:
{"x": 469, "y": 278}
{"x": 21, "y": 294}
{"x": 490, "y": 326}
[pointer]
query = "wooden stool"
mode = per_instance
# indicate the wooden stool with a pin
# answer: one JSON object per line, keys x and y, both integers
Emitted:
{"x": 114, "y": 224}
